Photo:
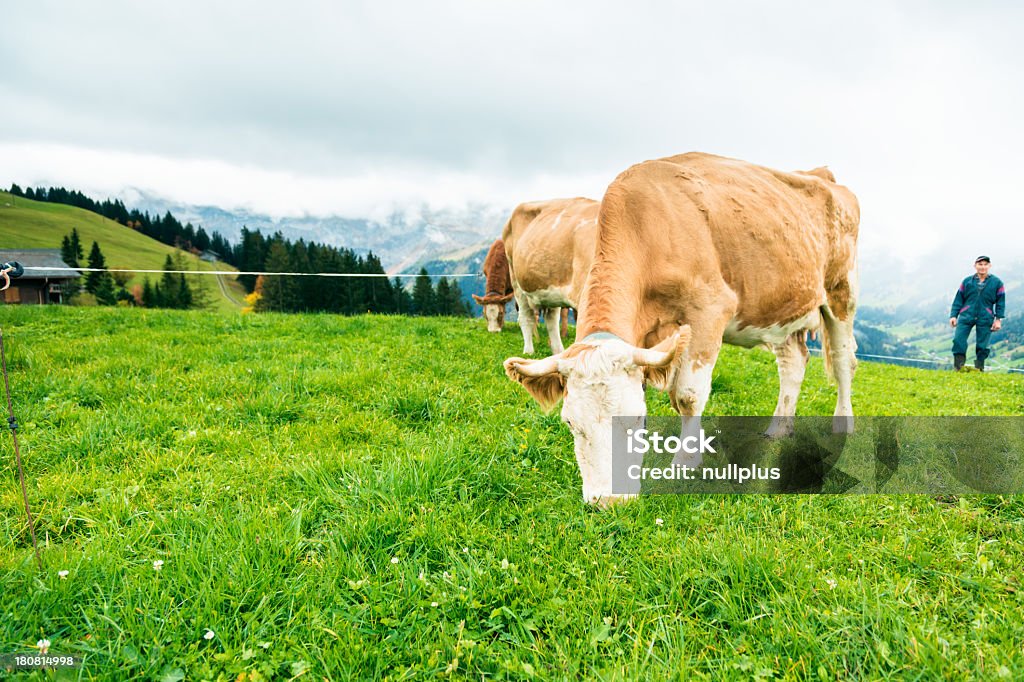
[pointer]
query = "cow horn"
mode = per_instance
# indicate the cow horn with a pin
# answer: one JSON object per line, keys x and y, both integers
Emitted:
{"x": 538, "y": 368}
{"x": 653, "y": 357}
{"x": 648, "y": 357}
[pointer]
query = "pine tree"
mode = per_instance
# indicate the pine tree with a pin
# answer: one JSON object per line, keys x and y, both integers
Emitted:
{"x": 279, "y": 293}
{"x": 402, "y": 300}
{"x": 378, "y": 293}
{"x": 105, "y": 294}
{"x": 96, "y": 260}
{"x": 186, "y": 297}
{"x": 251, "y": 255}
{"x": 452, "y": 299}
{"x": 443, "y": 297}
{"x": 168, "y": 290}
{"x": 76, "y": 248}
{"x": 202, "y": 241}
{"x": 305, "y": 287}
{"x": 149, "y": 299}
{"x": 66, "y": 253}
{"x": 423, "y": 296}
{"x": 71, "y": 249}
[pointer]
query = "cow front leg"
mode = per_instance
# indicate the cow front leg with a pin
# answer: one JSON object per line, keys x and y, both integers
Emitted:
{"x": 527, "y": 323}
{"x": 689, "y": 397}
{"x": 551, "y": 317}
{"x": 791, "y": 357}
{"x": 690, "y": 388}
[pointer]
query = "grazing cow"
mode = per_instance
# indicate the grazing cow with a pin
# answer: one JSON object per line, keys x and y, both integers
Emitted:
{"x": 499, "y": 286}
{"x": 550, "y": 247}
{"x": 693, "y": 250}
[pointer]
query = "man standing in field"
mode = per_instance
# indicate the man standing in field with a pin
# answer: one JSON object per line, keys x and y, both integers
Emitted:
{"x": 980, "y": 302}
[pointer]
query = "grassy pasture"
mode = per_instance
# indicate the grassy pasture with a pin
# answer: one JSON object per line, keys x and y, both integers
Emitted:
{"x": 28, "y": 224}
{"x": 369, "y": 497}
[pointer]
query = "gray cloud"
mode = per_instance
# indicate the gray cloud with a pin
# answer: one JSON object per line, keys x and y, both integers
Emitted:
{"x": 913, "y": 105}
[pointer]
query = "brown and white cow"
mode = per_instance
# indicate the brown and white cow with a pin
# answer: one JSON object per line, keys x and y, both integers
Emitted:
{"x": 550, "y": 247}
{"x": 693, "y": 250}
{"x": 498, "y": 288}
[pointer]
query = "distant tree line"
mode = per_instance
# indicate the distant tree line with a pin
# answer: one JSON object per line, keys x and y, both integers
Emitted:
{"x": 258, "y": 253}
{"x": 166, "y": 229}
{"x": 110, "y": 288}
{"x": 373, "y": 293}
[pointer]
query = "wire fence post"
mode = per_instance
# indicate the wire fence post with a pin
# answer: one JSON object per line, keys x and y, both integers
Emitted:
{"x": 13, "y": 424}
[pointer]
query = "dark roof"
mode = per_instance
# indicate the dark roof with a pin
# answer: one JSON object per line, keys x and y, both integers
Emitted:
{"x": 39, "y": 258}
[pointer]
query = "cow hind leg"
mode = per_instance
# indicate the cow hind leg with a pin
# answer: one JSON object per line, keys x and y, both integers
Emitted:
{"x": 839, "y": 348}
{"x": 791, "y": 358}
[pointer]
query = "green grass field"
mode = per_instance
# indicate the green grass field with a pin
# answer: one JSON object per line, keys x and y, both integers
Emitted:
{"x": 27, "y": 224}
{"x": 370, "y": 498}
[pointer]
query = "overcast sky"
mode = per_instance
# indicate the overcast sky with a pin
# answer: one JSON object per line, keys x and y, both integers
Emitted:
{"x": 348, "y": 107}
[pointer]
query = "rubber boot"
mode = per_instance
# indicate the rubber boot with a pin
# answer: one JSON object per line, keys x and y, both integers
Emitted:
{"x": 958, "y": 361}
{"x": 979, "y": 364}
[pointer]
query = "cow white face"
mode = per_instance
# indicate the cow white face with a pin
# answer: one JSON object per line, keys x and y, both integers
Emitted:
{"x": 494, "y": 313}
{"x": 601, "y": 384}
{"x": 494, "y": 309}
{"x": 596, "y": 382}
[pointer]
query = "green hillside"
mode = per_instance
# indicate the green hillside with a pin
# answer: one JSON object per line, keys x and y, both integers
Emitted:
{"x": 28, "y": 224}
{"x": 272, "y": 497}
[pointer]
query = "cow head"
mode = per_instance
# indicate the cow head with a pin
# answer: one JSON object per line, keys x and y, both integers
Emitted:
{"x": 494, "y": 309}
{"x": 597, "y": 381}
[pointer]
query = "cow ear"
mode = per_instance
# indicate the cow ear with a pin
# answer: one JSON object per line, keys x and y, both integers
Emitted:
{"x": 478, "y": 299}
{"x": 540, "y": 378}
{"x": 506, "y": 298}
{"x": 660, "y": 375}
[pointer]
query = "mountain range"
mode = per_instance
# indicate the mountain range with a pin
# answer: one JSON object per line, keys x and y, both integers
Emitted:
{"x": 904, "y": 302}
{"x": 402, "y": 238}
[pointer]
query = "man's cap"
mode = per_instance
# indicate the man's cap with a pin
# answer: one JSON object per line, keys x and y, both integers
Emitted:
{"x": 982, "y": 258}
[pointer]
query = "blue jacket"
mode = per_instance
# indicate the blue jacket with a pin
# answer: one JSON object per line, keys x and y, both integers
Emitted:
{"x": 979, "y": 304}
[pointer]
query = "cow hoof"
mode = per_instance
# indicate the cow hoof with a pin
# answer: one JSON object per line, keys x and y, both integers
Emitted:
{"x": 780, "y": 428}
{"x": 608, "y": 501}
{"x": 686, "y": 459}
{"x": 842, "y": 424}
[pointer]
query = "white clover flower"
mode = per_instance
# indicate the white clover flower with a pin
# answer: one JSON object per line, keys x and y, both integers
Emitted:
{"x": 504, "y": 564}
{"x": 158, "y": 564}
{"x": 465, "y": 550}
{"x": 434, "y": 604}
{"x": 659, "y": 522}
{"x": 394, "y": 560}
{"x": 43, "y": 645}
{"x": 63, "y": 574}
{"x": 209, "y": 634}
{"x": 832, "y": 584}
